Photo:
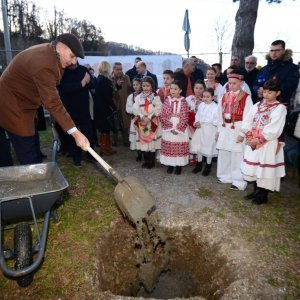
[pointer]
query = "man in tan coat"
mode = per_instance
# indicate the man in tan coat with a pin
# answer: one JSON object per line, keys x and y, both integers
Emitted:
{"x": 122, "y": 85}
{"x": 30, "y": 81}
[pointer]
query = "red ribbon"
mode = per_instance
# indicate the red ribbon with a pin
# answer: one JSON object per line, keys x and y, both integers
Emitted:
{"x": 147, "y": 105}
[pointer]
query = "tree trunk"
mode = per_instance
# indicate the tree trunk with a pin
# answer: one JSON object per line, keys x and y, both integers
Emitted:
{"x": 245, "y": 19}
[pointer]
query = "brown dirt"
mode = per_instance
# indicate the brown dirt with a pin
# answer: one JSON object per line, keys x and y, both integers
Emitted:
{"x": 222, "y": 246}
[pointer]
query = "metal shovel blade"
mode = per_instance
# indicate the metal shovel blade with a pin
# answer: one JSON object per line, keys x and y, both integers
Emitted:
{"x": 133, "y": 199}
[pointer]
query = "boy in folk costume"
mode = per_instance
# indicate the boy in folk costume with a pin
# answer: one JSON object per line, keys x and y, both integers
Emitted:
{"x": 137, "y": 88}
{"x": 263, "y": 161}
{"x": 147, "y": 109}
{"x": 232, "y": 109}
{"x": 164, "y": 92}
{"x": 175, "y": 138}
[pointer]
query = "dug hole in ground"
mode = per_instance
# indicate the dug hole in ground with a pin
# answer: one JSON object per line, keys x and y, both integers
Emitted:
{"x": 218, "y": 248}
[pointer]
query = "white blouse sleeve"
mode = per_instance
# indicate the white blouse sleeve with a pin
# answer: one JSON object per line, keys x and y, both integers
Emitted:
{"x": 157, "y": 106}
{"x": 274, "y": 129}
{"x": 136, "y": 107}
{"x": 129, "y": 104}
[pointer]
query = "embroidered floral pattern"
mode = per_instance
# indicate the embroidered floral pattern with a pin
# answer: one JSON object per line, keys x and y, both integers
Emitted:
{"x": 262, "y": 116}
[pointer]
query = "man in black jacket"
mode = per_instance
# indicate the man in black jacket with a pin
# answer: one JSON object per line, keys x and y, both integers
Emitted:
{"x": 251, "y": 73}
{"x": 280, "y": 66}
{"x": 132, "y": 73}
{"x": 74, "y": 93}
{"x": 141, "y": 68}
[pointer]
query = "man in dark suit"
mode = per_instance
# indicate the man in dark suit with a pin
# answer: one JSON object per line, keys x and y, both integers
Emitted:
{"x": 142, "y": 72}
{"x": 132, "y": 73}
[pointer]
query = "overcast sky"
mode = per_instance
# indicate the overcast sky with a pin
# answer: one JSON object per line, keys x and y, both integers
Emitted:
{"x": 157, "y": 24}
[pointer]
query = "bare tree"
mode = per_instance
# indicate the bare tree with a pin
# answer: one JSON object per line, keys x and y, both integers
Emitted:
{"x": 223, "y": 32}
{"x": 55, "y": 26}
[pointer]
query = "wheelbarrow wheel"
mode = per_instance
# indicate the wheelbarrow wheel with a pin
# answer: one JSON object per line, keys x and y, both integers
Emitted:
{"x": 23, "y": 251}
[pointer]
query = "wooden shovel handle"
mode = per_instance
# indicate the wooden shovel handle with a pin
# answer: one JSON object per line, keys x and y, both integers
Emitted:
{"x": 105, "y": 165}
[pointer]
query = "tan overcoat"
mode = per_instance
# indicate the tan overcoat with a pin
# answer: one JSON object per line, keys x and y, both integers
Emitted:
{"x": 120, "y": 99}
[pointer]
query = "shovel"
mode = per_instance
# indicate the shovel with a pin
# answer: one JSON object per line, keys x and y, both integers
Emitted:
{"x": 131, "y": 196}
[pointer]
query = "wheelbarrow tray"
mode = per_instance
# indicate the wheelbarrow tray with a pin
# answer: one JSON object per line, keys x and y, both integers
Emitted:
{"x": 43, "y": 183}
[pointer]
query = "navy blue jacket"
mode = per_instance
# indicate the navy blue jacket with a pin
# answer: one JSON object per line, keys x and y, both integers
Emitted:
{"x": 285, "y": 71}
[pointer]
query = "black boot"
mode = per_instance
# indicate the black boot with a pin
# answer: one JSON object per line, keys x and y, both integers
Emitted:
{"x": 151, "y": 163}
{"x": 198, "y": 167}
{"x": 146, "y": 159}
{"x": 261, "y": 196}
{"x": 252, "y": 195}
{"x": 178, "y": 170}
{"x": 170, "y": 169}
{"x": 139, "y": 155}
{"x": 207, "y": 170}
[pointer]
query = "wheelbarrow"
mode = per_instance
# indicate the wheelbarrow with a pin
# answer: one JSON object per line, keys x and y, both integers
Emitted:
{"x": 27, "y": 192}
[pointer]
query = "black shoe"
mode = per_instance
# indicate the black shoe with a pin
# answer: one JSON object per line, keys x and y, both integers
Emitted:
{"x": 139, "y": 157}
{"x": 150, "y": 165}
{"x": 261, "y": 196}
{"x": 170, "y": 169}
{"x": 90, "y": 158}
{"x": 145, "y": 164}
{"x": 253, "y": 194}
{"x": 234, "y": 188}
{"x": 207, "y": 170}
{"x": 178, "y": 170}
{"x": 43, "y": 155}
{"x": 198, "y": 167}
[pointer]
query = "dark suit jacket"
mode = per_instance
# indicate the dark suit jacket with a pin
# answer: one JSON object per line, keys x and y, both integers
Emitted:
{"x": 154, "y": 77}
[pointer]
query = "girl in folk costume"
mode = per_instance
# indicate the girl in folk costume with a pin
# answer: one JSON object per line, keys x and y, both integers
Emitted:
{"x": 212, "y": 83}
{"x": 193, "y": 102}
{"x": 147, "y": 109}
{"x": 164, "y": 92}
{"x": 203, "y": 142}
{"x": 232, "y": 109}
{"x": 137, "y": 88}
{"x": 263, "y": 161}
{"x": 175, "y": 138}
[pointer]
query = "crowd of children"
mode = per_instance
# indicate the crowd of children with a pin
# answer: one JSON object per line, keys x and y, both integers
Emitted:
{"x": 244, "y": 137}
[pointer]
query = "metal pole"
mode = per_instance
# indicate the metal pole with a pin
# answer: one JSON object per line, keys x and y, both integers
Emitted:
{"x": 221, "y": 57}
{"x": 6, "y": 32}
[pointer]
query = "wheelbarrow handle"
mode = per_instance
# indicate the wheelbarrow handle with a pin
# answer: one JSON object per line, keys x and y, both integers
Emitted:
{"x": 105, "y": 165}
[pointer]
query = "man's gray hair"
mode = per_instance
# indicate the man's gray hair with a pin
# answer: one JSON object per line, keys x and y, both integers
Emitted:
{"x": 187, "y": 61}
{"x": 252, "y": 57}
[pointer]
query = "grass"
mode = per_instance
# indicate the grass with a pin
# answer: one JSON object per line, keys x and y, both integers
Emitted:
{"x": 87, "y": 212}
{"x": 275, "y": 230}
{"x": 204, "y": 193}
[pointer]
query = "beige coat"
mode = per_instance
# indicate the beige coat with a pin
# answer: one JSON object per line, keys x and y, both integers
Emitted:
{"x": 120, "y": 99}
{"x": 28, "y": 82}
